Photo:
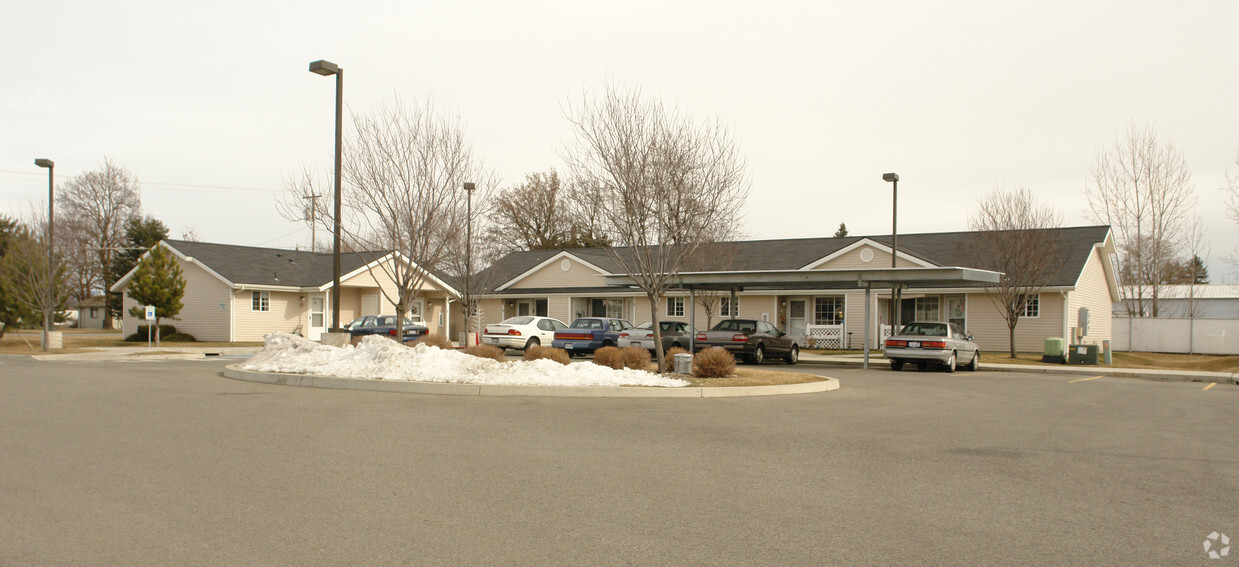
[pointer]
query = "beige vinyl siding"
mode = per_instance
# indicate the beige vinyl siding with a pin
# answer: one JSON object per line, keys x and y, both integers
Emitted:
{"x": 989, "y": 329}
{"x": 285, "y": 314}
{"x": 854, "y": 319}
{"x": 1092, "y": 292}
{"x": 851, "y": 261}
{"x": 553, "y": 275}
{"x": 492, "y": 311}
{"x": 376, "y": 279}
{"x": 200, "y": 314}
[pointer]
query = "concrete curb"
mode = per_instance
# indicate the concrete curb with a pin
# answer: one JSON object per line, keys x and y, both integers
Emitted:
{"x": 1149, "y": 374}
{"x": 310, "y": 381}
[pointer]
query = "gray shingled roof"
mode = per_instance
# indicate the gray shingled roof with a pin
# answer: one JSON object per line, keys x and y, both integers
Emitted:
{"x": 946, "y": 249}
{"x": 273, "y": 266}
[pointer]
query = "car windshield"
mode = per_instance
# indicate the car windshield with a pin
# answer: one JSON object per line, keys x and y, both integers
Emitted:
{"x": 924, "y": 329}
{"x": 587, "y": 324}
{"x": 517, "y": 321}
{"x": 736, "y": 325}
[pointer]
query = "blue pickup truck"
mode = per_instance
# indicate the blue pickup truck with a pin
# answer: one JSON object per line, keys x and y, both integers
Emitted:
{"x": 588, "y": 334}
{"x": 385, "y": 325}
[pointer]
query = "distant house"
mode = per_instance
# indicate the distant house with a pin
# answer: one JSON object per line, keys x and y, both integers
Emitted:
{"x": 567, "y": 284}
{"x": 241, "y": 293}
{"x": 1200, "y": 301}
{"x": 92, "y": 313}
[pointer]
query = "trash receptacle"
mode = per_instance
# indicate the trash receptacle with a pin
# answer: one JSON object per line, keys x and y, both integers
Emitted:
{"x": 683, "y": 363}
{"x": 1083, "y": 354}
{"x": 1054, "y": 351}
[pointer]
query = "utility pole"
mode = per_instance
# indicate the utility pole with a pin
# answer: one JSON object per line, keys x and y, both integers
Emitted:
{"x": 313, "y": 221}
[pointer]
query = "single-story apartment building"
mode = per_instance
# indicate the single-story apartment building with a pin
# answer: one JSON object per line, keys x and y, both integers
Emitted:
{"x": 567, "y": 284}
{"x": 92, "y": 313}
{"x": 241, "y": 293}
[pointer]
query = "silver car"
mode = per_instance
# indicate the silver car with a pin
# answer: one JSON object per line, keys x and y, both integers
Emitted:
{"x": 923, "y": 342}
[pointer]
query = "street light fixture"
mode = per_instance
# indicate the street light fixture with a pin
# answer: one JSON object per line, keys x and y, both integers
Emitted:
{"x": 51, "y": 216}
{"x": 469, "y": 187}
{"x": 327, "y": 68}
{"x": 893, "y": 178}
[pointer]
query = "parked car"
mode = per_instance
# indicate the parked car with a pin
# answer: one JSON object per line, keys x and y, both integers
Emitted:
{"x": 588, "y": 334}
{"x": 674, "y": 333}
{"x": 925, "y": 342}
{"x": 386, "y": 325}
{"x": 752, "y": 340}
{"x": 521, "y": 332}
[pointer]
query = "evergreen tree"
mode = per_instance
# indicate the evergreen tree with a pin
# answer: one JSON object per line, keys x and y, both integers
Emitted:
{"x": 12, "y": 310}
{"x": 141, "y": 234}
{"x": 157, "y": 282}
{"x": 843, "y": 231}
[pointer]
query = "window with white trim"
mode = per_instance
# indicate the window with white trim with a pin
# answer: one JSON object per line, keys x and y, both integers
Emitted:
{"x": 675, "y": 306}
{"x": 1032, "y": 305}
{"x": 728, "y": 309}
{"x": 828, "y": 311}
{"x": 260, "y": 301}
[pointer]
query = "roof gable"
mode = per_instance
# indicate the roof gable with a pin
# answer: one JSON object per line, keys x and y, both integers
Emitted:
{"x": 545, "y": 265}
{"x": 842, "y": 255}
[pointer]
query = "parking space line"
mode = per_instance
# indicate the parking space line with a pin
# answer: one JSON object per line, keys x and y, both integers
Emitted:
{"x": 1085, "y": 379}
{"x": 1211, "y": 384}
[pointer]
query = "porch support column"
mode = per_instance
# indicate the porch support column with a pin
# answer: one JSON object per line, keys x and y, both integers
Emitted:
{"x": 447, "y": 317}
{"x": 868, "y": 329}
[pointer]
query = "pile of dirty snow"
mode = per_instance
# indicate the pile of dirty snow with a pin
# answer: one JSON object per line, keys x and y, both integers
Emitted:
{"x": 379, "y": 358}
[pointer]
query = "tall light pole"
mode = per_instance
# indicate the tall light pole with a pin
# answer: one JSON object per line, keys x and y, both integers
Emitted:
{"x": 893, "y": 178}
{"x": 469, "y": 187}
{"x": 51, "y": 222}
{"x": 326, "y": 68}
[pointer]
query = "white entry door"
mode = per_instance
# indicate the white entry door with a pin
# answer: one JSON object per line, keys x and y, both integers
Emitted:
{"x": 318, "y": 319}
{"x": 797, "y": 318}
{"x": 369, "y": 304}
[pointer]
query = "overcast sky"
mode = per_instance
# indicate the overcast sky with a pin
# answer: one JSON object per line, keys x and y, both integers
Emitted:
{"x": 211, "y": 104}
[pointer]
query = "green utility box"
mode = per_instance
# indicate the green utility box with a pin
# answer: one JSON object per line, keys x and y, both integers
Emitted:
{"x": 1054, "y": 351}
{"x": 1083, "y": 354}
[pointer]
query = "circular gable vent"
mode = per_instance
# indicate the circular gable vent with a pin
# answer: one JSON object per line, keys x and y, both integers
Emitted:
{"x": 866, "y": 255}
{"x": 565, "y": 265}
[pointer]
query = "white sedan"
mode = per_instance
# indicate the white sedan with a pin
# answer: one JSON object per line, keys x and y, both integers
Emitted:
{"x": 522, "y": 332}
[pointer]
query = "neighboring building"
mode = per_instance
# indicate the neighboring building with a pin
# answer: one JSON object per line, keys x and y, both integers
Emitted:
{"x": 92, "y": 312}
{"x": 1200, "y": 301}
{"x": 241, "y": 293}
{"x": 567, "y": 284}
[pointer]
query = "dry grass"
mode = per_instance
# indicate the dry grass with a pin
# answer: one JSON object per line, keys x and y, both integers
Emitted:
{"x": 714, "y": 362}
{"x": 1155, "y": 360}
{"x": 539, "y": 352}
{"x": 435, "y": 340}
{"x": 486, "y": 351}
{"x": 609, "y": 357}
{"x": 635, "y": 358}
{"x": 86, "y": 340}
{"x": 746, "y": 376}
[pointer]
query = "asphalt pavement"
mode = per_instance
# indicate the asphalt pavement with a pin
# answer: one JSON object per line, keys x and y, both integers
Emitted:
{"x": 150, "y": 462}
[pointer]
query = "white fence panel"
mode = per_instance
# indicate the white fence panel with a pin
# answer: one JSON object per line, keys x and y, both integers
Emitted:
{"x": 1198, "y": 336}
{"x": 824, "y": 336}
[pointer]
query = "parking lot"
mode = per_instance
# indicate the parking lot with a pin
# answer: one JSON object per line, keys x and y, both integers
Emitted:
{"x": 169, "y": 463}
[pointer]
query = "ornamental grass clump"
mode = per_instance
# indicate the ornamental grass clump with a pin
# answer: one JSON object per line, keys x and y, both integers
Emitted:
{"x": 435, "y": 340}
{"x": 540, "y": 352}
{"x": 635, "y": 358}
{"x": 714, "y": 362}
{"x": 609, "y": 357}
{"x": 486, "y": 351}
{"x": 669, "y": 357}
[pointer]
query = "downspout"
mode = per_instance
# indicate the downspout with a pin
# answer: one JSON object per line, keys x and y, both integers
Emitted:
{"x": 1066, "y": 314}
{"x": 447, "y": 317}
{"x": 232, "y": 314}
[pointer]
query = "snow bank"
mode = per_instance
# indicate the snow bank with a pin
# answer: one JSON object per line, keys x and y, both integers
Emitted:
{"x": 379, "y": 358}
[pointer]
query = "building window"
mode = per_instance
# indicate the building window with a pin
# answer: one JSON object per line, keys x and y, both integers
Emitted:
{"x": 1032, "y": 305}
{"x": 675, "y": 306}
{"x": 260, "y": 301}
{"x": 727, "y": 308}
{"x": 927, "y": 308}
{"x": 828, "y": 311}
{"x": 94, "y": 312}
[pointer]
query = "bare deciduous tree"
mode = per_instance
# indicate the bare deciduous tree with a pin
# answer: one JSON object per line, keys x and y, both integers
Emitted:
{"x": 661, "y": 184}
{"x": 1011, "y": 237}
{"x": 542, "y": 213}
{"x": 1232, "y": 204}
{"x": 30, "y": 280}
{"x": 1143, "y": 189}
{"x": 100, "y": 204}
{"x": 403, "y": 171}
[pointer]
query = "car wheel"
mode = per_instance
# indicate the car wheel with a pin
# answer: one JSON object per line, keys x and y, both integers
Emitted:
{"x": 793, "y": 356}
{"x": 976, "y": 361}
{"x": 759, "y": 354}
{"x": 896, "y": 365}
{"x": 607, "y": 343}
{"x": 533, "y": 342}
{"x": 949, "y": 365}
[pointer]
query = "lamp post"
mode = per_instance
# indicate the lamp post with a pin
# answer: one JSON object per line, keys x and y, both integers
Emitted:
{"x": 326, "y": 68}
{"x": 51, "y": 222}
{"x": 893, "y": 178}
{"x": 469, "y": 187}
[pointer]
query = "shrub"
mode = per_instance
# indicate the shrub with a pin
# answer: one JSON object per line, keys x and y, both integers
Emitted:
{"x": 714, "y": 362}
{"x": 635, "y": 358}
{"x": 485, "y": 351}
{"x": 435, "y": 340}
{"x": 610, "y": 357}
{"x": 165, "y": 331}
{"x": 179, "y": 338}
{"x": 669, "y": 357}
{"x": 539, "y": 352}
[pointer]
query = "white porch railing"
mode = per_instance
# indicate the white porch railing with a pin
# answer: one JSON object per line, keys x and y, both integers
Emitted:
{"x": 824, "y": 336}
{"x": 884, "y": 333}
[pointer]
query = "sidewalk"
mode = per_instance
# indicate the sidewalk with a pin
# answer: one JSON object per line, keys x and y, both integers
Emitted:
{"x": 879, "y": 362}
{"x": 152, "y": 353}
